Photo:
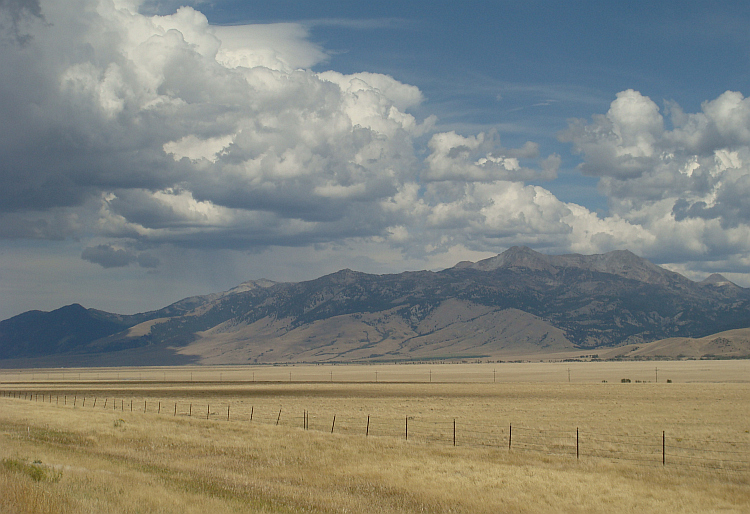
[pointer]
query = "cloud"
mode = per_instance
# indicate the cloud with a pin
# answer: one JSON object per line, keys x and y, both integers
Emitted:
{"x": 15, "y": 15}
{"x": 620, "y": 144}
{"x": 109, "y": 256}
{"x": 151, "y": 134}
{"x": 688, "y": 185}
{"x": 480, "y": 158}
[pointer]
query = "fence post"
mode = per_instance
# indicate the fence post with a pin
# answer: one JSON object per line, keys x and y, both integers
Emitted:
{"x": 175, "y": 408}
{"x": 367, "y": 430}
{"x": 279, "y": 417}
{"x": 334, "y": 423}
{"x": 208, "y": 410}
{"x": 251, "y": 412}
{"x": 190, "y": 412}
{"x": 227, "y": 412}
{"x": 105, "y": 402}
{"x": 144, "y": 405}
{"x": 577, "y": 443}
{"x": 663, "y": 449}
{"x": 406, "y": 429}
{"x": 454, "y": 431}
{"x": 94, "y": 402}
{"x": 510, "y": 435}
{"x": 159, "y": 410}
{"x": 84, "y": 401}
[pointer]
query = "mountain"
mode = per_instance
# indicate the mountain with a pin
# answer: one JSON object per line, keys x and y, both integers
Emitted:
{"x": 731, "y": 344}
{"x": 63, "y": 330}
{"x": 520, "y": 302}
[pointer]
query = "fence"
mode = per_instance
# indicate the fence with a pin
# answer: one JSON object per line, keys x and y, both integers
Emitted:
{"x": 658, "y": 448}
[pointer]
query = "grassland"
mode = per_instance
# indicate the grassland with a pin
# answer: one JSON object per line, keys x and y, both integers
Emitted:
{"x": 176, "y": 451}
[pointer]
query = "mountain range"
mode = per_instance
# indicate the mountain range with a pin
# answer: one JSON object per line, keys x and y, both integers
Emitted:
{"x": 518, "y": 303}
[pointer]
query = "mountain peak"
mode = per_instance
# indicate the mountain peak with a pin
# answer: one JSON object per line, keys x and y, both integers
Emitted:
{"x": 717, "y": 279}
{"x": 250, "y": 285}
{"x": 514, "y": 257}
{"x": 623, "y": 263}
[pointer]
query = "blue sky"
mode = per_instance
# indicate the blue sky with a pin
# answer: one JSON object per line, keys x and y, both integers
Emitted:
{"x": 152, "y": 151}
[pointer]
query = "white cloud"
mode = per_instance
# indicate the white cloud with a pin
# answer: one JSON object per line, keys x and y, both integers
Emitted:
{"x": 279, "y": 46}
{"x": 154, "y": 132}
{"x": 687, "y": 187}
{"x": 480, "y": 158}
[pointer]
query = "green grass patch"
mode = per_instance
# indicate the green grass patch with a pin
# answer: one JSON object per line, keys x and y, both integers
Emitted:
{"x": 34, "y": 470}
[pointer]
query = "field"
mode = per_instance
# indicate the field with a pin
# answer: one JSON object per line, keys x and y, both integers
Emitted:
{"x": 491, "y": 437}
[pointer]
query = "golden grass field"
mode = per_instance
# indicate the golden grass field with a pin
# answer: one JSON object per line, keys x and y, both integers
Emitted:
{"x": 176, "y": 451}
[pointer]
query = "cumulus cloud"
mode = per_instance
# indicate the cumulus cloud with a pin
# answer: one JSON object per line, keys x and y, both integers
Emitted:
{"x": 107, "y": 256}
{"x": 688, "y": 185}
{"x": 620, "y": 144}
{"x": 480, "y": 158}
{"x": 152, "y": 131}
{"x": 15, "y": 15}
{"x": 110, "y": 256}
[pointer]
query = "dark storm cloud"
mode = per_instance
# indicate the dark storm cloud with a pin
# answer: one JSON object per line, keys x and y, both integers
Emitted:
{"x": 108, "y": 257}
{"x": 13, "y": 14}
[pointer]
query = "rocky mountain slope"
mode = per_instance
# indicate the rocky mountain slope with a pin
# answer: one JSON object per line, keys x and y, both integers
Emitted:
{"x": 518, "y": 303}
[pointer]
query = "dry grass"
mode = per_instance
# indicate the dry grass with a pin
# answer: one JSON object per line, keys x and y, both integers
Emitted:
{"x": 58, "y": 458}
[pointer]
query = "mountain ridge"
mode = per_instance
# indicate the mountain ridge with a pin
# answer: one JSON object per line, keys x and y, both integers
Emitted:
{"x": 520, "y": 300}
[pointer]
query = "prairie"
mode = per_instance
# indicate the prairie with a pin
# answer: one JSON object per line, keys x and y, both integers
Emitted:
{"x": 254, "y": 439}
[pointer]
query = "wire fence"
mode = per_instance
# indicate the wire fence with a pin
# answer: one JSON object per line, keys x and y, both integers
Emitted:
{"x": 657, "y": 449}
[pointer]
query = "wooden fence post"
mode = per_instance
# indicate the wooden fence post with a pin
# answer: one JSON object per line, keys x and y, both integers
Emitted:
{"x": 454, "y": 431}
{"x": 577, "y": 442}
{"x": 367, "y": 430}
{"x": 227, "y": 412}
{"x": 251, "y": 412}
{"x": 406, "y": 429}
{"x": 159, "y": 410}
{"x": 510, "y": 435}
{"x": 278, "y": 418}
{"x": 105, "y": 402}
{"x": 334, "y": 423}
{"x": 208, "y": 410}
{"x": 663, "y": 448}
{"x": 190, "y": 413}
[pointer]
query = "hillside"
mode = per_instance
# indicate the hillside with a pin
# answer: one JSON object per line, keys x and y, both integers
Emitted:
{"x": 731, "y": 344}
{"x": 520, "y": 302}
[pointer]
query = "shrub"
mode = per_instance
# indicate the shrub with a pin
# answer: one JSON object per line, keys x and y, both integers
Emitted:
{"x": 36, "y": 470}
{"x": 625, "y": 380}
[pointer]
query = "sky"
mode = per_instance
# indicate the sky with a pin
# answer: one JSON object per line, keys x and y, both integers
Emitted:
{"x": 153, "y": 150}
